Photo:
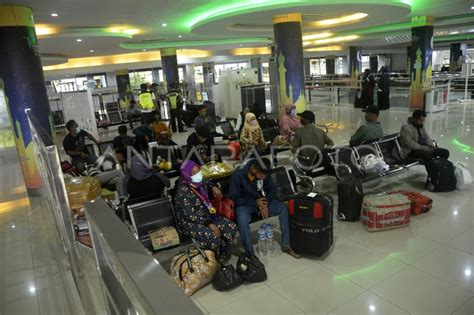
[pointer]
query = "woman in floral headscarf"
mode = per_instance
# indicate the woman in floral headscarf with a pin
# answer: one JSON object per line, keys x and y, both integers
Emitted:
{"x": 195, "y": 214}
{"x": 252, "y": 136}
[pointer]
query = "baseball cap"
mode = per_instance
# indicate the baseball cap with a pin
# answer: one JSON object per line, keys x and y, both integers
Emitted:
{"x": 372, "y": 109}
{"x": 308, "y": 115}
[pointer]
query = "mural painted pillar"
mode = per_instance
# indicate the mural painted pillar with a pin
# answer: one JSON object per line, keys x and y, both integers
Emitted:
{"x": 421, "y": 59}
{"x": 355, "y": 61}
{"x": 289, "y": 58}
{"x": 169, "y": 64}
{"x": 330, "y": 64}
{"x": 457, "y": 51}
{"x": 22, "y": 74}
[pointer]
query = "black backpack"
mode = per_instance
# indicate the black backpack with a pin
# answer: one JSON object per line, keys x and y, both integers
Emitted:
{"x": 251, "y": 269}
{"x": 440, "y": 175}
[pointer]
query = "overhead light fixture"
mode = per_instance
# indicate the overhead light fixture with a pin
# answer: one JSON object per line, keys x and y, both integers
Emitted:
{"x": 325, "y": 48}
{"x": 92, "y": 50}
{"x": 54, "y": 14}
{"x": 44, "y": 29}
{"x": 78, "y": 40}
{"x": 472, "y": 8}
{"x": 317, "y": 36}
{"x": 453, "y": 32}
{"x": 343, "y": 19}
{"x": 144, "y": 49}
{"x": 124, "y": 30}
{"x": 164, "y": 24}
{"x": 179, "y": 36}
{"x": 334, "y": 40}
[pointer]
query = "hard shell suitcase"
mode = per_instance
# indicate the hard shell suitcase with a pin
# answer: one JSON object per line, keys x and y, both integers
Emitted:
{"x": 349, "y": 194}
{"x": 385, "y": 211}
{"x": 441, "y": 176}
{"x": 311, "y": 223}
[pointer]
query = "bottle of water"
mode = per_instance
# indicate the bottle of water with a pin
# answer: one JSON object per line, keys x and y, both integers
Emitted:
{"x": 262, "y": 246}
{"x": 270, "y": 240}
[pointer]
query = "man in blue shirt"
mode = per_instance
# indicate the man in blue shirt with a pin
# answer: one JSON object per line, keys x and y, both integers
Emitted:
{"x": 253, "y": 191}
{"x": 145, "y": 130}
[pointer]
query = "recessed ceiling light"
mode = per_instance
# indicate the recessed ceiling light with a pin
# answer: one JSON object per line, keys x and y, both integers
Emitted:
{"x": 32, "y": 289}
{"x": 179, "y": 36}
{"x": 54, "y": 14}
{"x": 472, "y": 8}
{"x": 372, "y": 308}
{"x": 453, "y": 32}
{"x": 164, "y": 24}
{"x": 92, "y": 50}
{"x": 144, "y": 49}
{"x": 241, "y": 45}
{"x": 13, "y": 226}
{"x": 468, "y": 272}
{"x": 78, "y": 40}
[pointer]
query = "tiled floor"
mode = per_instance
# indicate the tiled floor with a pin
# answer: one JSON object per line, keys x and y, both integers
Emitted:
{"x": 424, "y": 269}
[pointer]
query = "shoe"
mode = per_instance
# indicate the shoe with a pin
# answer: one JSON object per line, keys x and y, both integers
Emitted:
{"x": 291, "y": 252}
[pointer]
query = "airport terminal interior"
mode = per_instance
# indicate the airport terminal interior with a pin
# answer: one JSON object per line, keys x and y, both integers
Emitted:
{"x": 237, "y": 157}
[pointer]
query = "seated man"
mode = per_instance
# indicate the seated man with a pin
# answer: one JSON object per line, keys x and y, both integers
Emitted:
{"x": 371, "y": 131}
{"x": 203, "y": 120}
{"x": 169, "y": 150}
{"x": 122, "y": 140}
{"x": 145, "y": 130}
{"x": 415, "y": 142}
{"x": 200, "y": 143}
{"x": 75, "y": 146}
{"x": 253, "y": 191}
{"x": 144, "y": 180}
{"x": 159, "y": 127}
{"x": 309, "y": 135}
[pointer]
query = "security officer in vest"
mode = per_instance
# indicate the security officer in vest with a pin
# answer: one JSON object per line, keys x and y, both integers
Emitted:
{"x": 145, "y": 101}
{"x": 176, "y": 103}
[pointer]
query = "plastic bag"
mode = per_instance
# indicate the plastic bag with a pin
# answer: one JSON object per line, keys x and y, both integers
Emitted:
{"x": 81, "y": 190}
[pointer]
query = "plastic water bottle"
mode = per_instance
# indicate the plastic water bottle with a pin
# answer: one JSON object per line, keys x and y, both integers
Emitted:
{"x": 270, "y": 239}
{"x": 262, "y": 246}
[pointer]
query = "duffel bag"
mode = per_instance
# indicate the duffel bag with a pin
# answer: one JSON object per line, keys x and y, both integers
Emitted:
{"x": 193, "y": 269}
{"x": 419, "y": 203}
{"x": 385, "y": 211}
{"x": 251, "y": 269}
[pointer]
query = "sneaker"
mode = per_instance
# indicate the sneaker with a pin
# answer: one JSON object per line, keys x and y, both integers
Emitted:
{"x": 291, "y": 252}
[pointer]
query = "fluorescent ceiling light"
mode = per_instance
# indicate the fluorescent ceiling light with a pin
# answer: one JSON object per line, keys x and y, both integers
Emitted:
{"x": 339, "y": 20}
{"x": 44, "y": 29}
{"x": 164, "y": 25}
{"x": 92, "y": 50}
{"x": 317, "y": 36}
{"x": 453, "y": 32}
{"x": 124, "y": 29}
{"x": 179, "y": 36}
{"x": 334, "y": 40}
{"x": 326, "y": 48}
{"x": 54, "y": 14}
{"x": 78, "y": 40}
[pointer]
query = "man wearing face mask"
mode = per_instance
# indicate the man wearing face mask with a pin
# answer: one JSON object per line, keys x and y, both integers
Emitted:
{"x": 415, "y": 141}
{"x": 371, "y": 130}
{"x": 75, "y": 146}
{"x": 254, "y": 191}
{"x": 289, "y": 123}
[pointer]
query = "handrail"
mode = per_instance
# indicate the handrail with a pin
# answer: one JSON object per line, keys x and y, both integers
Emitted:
{"x": 133, "y": 280}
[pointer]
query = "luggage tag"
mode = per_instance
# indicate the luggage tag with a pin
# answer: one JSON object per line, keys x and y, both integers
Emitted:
{"x": 312, "y": 194}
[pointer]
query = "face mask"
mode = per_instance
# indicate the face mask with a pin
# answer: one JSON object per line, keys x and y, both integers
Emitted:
{"x": 197, "y": 178}
{"x": 293, "y": 112}
{"x": 253, "y": 122}
{"x": 78, "y": 130}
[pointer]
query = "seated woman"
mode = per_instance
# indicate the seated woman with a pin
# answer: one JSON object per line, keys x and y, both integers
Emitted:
{"x": 159, "y": 126}
{"x": 144, "y": 180}
{"x": 197, "y": 217}
{"x": 251, "y": 136}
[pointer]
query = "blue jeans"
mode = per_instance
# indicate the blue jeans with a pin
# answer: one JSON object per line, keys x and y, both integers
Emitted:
{"x": 275, "y": 207}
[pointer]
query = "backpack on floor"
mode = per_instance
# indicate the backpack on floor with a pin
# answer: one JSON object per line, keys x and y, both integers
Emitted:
{"x": 440, "y": 175}
{"x": 350, "y": 194}
{"x": 419, "y": 203}
{"x": 463, "y": 177}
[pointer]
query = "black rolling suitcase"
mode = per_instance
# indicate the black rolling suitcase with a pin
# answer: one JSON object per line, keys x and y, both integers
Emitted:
{"x": 350, "y": 195}
{"x": 311, "y": 223}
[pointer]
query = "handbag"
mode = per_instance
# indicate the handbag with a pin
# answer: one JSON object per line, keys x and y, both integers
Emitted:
{"x": 226, "y": 278}
{"x": 463, "y": 177}
{"x": 193, "y": 269}
{"x": 224, "y": 207}
{"x": 251, "y": 269}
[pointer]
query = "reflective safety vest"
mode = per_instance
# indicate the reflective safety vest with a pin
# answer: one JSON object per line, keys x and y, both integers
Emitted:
{"x": 173, "y": 96}
{"x": 146, "y": 101}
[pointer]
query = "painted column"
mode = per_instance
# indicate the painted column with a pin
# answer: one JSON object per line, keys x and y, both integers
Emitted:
{"x": 22, "y": 74}
{"x": 256, "y": 63}
{"x": 169, "y": 64}
{"x": 408, "y": 68}
{"x": 289, "y": 57}
{"x": 457, "y": 51}
{"x": 330, "y": 64}
{"x": 421, "y": 59}
{"x": 374, "y": 63}
{"x": 355, "y": 62}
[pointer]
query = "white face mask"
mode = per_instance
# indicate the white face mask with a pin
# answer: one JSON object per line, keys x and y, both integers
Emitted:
{"x": 78, "y": 130}
{"x": 197, "y": 178}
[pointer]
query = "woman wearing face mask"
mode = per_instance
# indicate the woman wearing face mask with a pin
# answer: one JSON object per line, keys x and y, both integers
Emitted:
{"x": 197, "y": 217}
{"x": 252, "y": 136}
{"x": 289, "y": 123}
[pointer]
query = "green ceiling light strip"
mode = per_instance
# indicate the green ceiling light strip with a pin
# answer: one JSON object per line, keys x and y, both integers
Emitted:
{"x": 215, "y": 10}
{"x": 195, "y": 43}
{"x": 450, "y": 38}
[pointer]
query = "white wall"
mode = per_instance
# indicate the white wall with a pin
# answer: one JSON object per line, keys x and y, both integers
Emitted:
{"x": 398, "y": 62}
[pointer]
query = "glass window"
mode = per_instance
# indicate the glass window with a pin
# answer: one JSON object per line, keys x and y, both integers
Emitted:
{"x": 180, "y": 74}
{"x": 231, "y": 66}
{"x": 339, "y": 65}
{"x": 317, "y": 66}
{"x": 365, "y": 62}
{"x": 160, "y": 75}
{"x": 198, "y": 75}
{"x": 139, "y": 77}
{"x": 265, "y": 72}
{"x": 218, "y": 72}
{"x": 243, "y": 65}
